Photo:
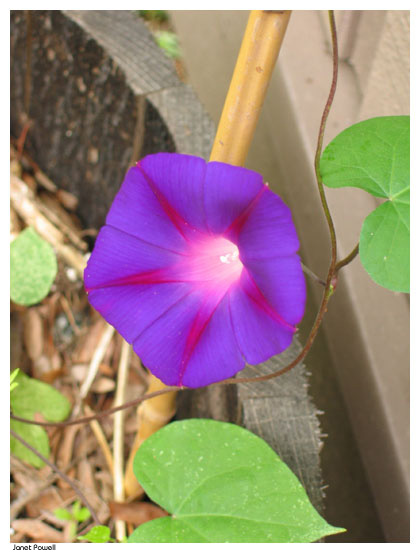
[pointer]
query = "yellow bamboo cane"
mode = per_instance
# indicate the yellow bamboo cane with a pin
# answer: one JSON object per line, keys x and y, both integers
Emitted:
{"x": 151, "y": 415}
{"x": 258, "y": 54}
{"x": 259, "y": 50}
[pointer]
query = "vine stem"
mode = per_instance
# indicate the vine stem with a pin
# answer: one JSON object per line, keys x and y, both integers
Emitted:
{"x": 62, "y": 475}
{"x": 347, "y": 259}
{"x": 320, "y": 142}
{"x": 102, "y": 414}
{"x": 310, "y": 273}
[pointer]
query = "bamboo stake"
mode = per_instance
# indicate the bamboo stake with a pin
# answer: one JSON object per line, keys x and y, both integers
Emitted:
{"x": 259, "y": 50}
{"x": 151, "y": 415}
{"x": 258, "y": 54}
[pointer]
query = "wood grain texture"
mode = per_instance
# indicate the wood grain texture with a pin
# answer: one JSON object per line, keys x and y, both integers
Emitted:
{"x": 186, "y": 119}
{"x": 146, "y": 68}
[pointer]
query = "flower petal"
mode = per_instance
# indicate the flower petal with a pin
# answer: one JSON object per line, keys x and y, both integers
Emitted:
{"x": 178, "y": 180}
{"x": 192, "y": 344}
{"x": 162, "y": 345}
{"x": 268, "y": 230}
{"x": 137, "y": 211}
{"x": 197, "y": 267}
{"x": 282, "y": 283}
{"x": 228, "y": 191}
{"x": 119, "y": 258}
{"x": 131, "y": 309}
{"x": 216, "y": 354}
{"x": 260, "y": 331}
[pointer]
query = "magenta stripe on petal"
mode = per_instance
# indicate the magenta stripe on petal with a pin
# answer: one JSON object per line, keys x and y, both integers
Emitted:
{"x": 260, "y": 331}
{"x": 268, "y": 230}
{"x": 162, "y": 345}
{"x": 131, "y": 309}
{"x": 228, "y": 191}
{"x": 197, "y": 268}
{"x": 216, "y": 355}
{"x": 180, "y": 180}
{"x": 119, "y": 257}
{"x": 137, "y": 211}
{"x": 282, "y": 283}
{"x": 195, "y": 338}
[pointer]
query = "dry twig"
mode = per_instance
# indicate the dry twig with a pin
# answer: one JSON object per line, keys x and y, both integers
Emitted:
{"x": 102, "y": 441}
{"x": 27, "y": 163}
{"x": 24, "y": 202}
{"x": 38, "y": 530}
{"x": 119, "y": 494}
{"x": 97, "y": 357}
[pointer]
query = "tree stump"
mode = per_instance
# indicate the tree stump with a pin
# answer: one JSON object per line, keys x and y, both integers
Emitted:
{"x": 97, "y": 95}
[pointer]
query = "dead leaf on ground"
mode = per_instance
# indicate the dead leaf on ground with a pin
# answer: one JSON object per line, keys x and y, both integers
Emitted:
{"x": 65, "y": 452}
{"x": 37, "y": 530}
{"x": 136, "y": 512}
{"x": 85, "y": 474}
{"x": 68, "y": 200}
{"x": 87, "y": 345}
{"x": 103, "y": 385}
{"x": 16, "y": 537}
{"x": 48, "y": 500}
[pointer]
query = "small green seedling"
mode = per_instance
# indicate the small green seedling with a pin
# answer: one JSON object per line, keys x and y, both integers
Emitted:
{"x": 168, "y": 41}
{"x": 13, "y": 376}
{"x": 98, "y": 534}
{"x": 76, "y": 515}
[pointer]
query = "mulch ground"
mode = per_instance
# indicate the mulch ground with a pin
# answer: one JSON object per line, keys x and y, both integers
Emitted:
{"x": 59, "y": 341}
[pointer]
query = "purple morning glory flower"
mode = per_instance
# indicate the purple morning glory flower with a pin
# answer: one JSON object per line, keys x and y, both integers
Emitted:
{"x": 197, "y": 268}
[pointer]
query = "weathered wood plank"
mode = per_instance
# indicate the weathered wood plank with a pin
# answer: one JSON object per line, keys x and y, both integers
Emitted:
{"x": 282, "y": 412}
{"x": 191, "y": 127}
{"x": 146, "y": 68}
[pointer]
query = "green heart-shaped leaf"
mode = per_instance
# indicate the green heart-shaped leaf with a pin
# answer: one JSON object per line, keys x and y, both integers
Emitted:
{"x": 31, "y": 396}
{"x": 33, "y": 267}
{"x": 221, "y": 483}
{"x": 374, "y": 155}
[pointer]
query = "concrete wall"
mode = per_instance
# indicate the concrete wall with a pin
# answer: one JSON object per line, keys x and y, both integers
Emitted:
{"x": 366, "y": 332}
